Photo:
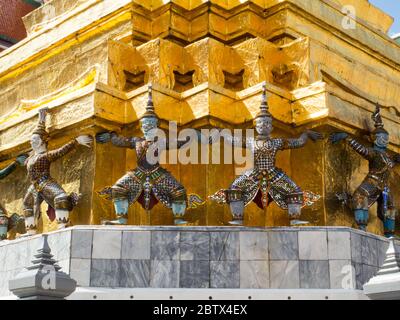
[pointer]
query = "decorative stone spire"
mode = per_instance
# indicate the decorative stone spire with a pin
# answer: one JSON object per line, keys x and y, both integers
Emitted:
{"x": 44, "y": 258}
{"x": 150, "y": 113}
{"x": 386, "y": 284}
{"x": 264, "y": 108}
{"x": 43, "y": 280}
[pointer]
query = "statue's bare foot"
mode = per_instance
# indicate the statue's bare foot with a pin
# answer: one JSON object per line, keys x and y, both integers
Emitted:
{"x": 117, "y": 222}
{"x": 236, "y": 222}
{"x": 180, "y": 222}
{"x": 62, "y": 225}
{"x": 294, "y": 223}
{"x": 28, "y": 233}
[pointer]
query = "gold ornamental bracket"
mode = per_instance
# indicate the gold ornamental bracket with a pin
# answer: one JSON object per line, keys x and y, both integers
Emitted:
{"x": 52, "y": 12}
{"x": 69, "y": 106}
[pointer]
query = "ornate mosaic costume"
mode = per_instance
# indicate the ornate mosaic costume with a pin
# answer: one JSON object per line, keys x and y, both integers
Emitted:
{"x": 265, "y": 182}
{"x": 148, "y": 183}
{"x": 372, "y": 187}
{"x": 44, "y": 187}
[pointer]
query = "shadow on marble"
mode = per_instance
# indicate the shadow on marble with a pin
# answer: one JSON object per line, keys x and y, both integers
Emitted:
{"x": 194, "y": 274}
{"x": 224, "y": 274}
{"x": 224, "y": 246}
{"x": 314, "y": 274}
{"x": 195, "y": 246}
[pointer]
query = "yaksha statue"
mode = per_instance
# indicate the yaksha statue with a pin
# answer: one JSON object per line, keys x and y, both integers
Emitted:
{"x": 14, "y": 222}
{"x": 149, "y": 183}
{"x": 265, "y": 182}
{"x": 375, "y": 186}
{"x": 44, "y": 187}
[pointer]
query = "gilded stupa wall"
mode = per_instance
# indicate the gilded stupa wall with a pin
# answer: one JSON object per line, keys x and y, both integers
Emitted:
{"x": 90, "y": 61}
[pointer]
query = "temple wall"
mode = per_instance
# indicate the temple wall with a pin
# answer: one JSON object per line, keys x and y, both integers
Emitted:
{"x": 99, "y": 55}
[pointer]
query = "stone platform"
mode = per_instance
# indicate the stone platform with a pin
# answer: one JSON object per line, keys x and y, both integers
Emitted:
{"x": 268, "y": 262}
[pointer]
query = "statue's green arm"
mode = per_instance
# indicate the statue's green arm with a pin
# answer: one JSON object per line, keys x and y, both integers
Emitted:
{"x": 296, "y": 143}
{"x": 358, "y": 147}
{"x": 123, "y": 142}
{"x": 8, "y": 170}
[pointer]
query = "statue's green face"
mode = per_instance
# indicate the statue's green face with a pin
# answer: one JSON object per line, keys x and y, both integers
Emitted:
{"x": 264, "y": 126}
{"x": 381, "y": 140}
{"x": 149, "y": 127}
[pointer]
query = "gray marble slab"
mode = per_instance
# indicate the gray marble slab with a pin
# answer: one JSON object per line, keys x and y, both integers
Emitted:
{"x": 313, "y": 245}
{"x": 358, "y": 271}
{"x": 106, "y": 244}
{"x": 3, "y": 260}
{"x": 368, "y": 272}
{"x": 224, "y": 274}
{"x": 64, "y": 265}
{"x": 224, "y": 246}
{"x": 60, "y": 244}
{"x": 80, "y": 271}
{"x": 136, "y": 245}
{"x": 253, "y": 245}
{"x": 397, "y": 246}
{"x": 284, "y": 274}
{"x": 135, "y": 273}
{"x": 81, "y": 246}
{"x": 194, "y": 274}
{"x": 165, "y": 245}
{"x": 356, "y": 248}
{"x": 164, "y": 273}
{"x": 314, "y": 274}
{"x": 283, "y": 245}
{"x": 195, "y": 246}
{"x": 254, "y": 274}
{"x": 33, "y": 244}
{"x": 339, "y": 245}
{"x": 342, "y": 274}
{"x": 369, "y": 251}
{"x": 382, "y": 249}
{"x": 104, "y": 273}
{"x": 15, "y": 256}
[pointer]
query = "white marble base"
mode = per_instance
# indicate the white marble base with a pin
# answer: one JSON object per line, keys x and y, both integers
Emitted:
{"x": 92, "y": 293}
{"x": 383, "y": 287}
{"x": 386, "y": 284}
{"x": 216, "y": 294}
{"x": 211, "y": 259}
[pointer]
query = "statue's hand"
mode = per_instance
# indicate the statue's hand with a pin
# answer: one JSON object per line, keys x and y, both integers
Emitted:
{"x": 21, "y": 159}
{"x": 314, "y": 135}
{"x": 85, "y": 140}
{"x": 42, "y": 114}
{"x": 103, "y": 137}
{"x": 337, "y": 137}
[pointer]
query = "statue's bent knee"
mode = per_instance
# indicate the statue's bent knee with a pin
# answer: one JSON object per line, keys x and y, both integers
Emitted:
{"x": 63, "y": 202}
